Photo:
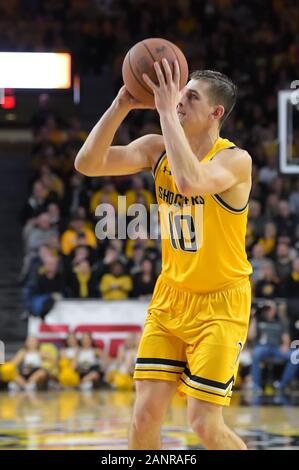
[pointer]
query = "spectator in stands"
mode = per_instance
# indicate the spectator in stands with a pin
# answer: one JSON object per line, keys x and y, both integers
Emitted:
{"x": 138, "y": 189}
{"x": 53, "y": 210}
{"x": 37, "y": 232}
{"x": 107, "y": 194}
{"x": 116, "y": 285}
{"x": 135, "y": 262}
{"x": 29, "y": 361}
{"x": 291, "y": 286}
{"x": 271, "y": 207}
{"x": 75, "y": 195}
{"x": 49, "y": 286}
{"x": 144, "y": 282}
{"x": 78, "y": 230}
{"x": 255, "y": 216}
{"x": 53, "y": 184}
{"x": 272, "y": 340}
{"x": 268, "y": 285}
{"x": 268, "y": 239}
{"x": 36, "y": 202}
{"x": 285, "y": 221}
{"x": 89, "y": 362}
{"x": 83, "y": 282}
{"x": 283, "y": 261}
{"x": 257, "y": 261}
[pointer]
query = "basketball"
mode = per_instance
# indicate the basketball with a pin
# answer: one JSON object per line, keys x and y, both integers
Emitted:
{"x": 140, "y": 59}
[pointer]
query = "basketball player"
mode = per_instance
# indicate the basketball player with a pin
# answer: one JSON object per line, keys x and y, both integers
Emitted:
{"x": 198, "y": 318}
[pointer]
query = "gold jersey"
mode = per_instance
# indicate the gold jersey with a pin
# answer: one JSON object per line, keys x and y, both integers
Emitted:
{"x": 203, "y": 238}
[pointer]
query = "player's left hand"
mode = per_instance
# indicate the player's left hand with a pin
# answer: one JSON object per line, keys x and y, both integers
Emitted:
{"x": 167, "y": 91}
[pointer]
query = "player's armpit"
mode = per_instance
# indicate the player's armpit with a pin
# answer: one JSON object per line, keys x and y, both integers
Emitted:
{"x": 228, "y": 168}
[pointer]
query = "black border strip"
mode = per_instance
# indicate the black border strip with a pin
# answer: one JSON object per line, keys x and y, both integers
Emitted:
{"x": 156, "y": 360}
{"x": 157, "y": 370}
{"x": 206, "y": 391}
{"x": 212, "y": 383}
{"x": 227, "y": 206}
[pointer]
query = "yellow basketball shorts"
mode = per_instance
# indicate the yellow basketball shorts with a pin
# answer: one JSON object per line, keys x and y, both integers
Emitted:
{"x": 195, "y": 339}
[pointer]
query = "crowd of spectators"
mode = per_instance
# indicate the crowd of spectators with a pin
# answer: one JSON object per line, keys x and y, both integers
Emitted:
{"x": 79, "y": 362}
{"x": 257, "y": 47}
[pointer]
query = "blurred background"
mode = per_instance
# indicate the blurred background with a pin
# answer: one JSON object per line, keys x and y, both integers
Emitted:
{"x": 64, "y": 292}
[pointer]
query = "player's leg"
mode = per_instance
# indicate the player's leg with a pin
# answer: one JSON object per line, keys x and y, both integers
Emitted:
{"x": 213, "y": 352}
{"x": 206, "y": 420}
{"x": 152, "y": 400}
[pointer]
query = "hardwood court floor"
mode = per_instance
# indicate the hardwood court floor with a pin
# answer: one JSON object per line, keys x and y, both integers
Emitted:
{"x": 99, "y": 420}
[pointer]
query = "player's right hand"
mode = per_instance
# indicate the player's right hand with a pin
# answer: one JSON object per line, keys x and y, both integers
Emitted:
{"x": 126, "y": 100}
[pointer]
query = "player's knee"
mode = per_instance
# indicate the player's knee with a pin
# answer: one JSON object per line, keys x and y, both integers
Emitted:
{"x": 207, "y": 429}
{"x": 145, "y": 418}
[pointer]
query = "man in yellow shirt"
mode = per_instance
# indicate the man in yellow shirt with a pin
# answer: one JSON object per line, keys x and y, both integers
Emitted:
{"x": 70, "y": 238}
{"x": 198, "y": 318}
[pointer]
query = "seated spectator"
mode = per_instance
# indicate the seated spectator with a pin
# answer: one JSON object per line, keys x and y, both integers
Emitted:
{"x": 89, "y": 362}
{"x": 283, "y": 261}
{"x": 48, "y": 287}
{"x": 272, "y": 340}
{"x": 143, "y": 241}
{"x": 37, "y": 232}
{"x": 29, "y": 362}
{"x": 291, "y": 286}
{"x": 52, "y": 182}
{"x": 138, "y": 189}
{"x": 257, "y": 261}
{"x": 83, "y": 282}
{"x": 144, "y": 282}
{"x": 75, "y": 195}
{"x": 255, "y": 216}
{"x": 120, "y": 374}
{"x": 71, "y": 237}
{"x": 268, "y": 285}
{"x": 36, "y": 202}
{"x": 116, "y": 285}
{"x": 135, "y": 262}
{"x": 290, "y": 372}
{"x": 107, "y": 194}
{"x": 53, "y": 210}
{"x": 285, "y": 221}
{"x": 268, "y": 239}
{"x": 70, "y": 350}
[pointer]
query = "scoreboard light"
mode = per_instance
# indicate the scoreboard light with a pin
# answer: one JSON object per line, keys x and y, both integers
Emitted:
{"x": 35, "y": 70}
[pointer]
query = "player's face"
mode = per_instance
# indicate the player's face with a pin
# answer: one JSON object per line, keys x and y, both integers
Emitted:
{"x": 194, "y": 109}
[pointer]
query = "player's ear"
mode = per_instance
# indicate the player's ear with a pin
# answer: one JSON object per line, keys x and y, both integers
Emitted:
{"x": 218, "y": 112}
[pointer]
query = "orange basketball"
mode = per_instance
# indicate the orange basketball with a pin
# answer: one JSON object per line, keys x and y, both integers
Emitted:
{"x": 140, "y": 59}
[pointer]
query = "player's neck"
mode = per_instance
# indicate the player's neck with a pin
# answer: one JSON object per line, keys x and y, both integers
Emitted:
{"x": 202, "y": 143}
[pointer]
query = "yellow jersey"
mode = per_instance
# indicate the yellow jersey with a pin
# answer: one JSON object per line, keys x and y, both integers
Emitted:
{"x": 203, "y": 238}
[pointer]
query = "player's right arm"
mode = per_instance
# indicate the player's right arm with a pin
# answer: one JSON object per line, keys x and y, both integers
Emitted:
{"x": 97, "y": 157}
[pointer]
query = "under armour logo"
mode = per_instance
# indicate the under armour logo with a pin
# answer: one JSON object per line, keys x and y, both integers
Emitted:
{"x": 165, "y": 170}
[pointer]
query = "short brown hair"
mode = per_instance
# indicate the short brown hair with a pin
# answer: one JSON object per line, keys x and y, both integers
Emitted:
{"x": 221, "y": 90}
